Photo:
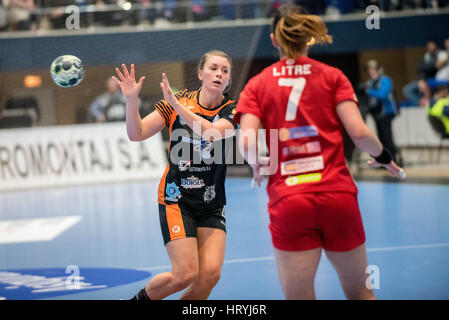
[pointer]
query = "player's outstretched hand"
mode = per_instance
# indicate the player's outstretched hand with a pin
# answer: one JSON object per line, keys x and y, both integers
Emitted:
{"x": 257, "y": 177}
{"x": 130, "y": 88}
{"x": 167, "y": 91}
{"x": 259, "y": 170}
{"x": 392, "y": 167}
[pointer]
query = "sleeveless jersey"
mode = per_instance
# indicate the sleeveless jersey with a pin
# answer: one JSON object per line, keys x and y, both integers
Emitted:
{"x": 196, "y": 172}
{"x": 298, "y": 99}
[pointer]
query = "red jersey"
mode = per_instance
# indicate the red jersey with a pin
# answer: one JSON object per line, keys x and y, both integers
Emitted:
{"x": 299, "y": 99}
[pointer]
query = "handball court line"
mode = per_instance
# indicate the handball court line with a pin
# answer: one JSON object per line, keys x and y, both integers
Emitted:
{"x": 418, "y": 246}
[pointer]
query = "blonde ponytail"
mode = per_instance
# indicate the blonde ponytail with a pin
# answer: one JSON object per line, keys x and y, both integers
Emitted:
{"x": 294, "y": 31}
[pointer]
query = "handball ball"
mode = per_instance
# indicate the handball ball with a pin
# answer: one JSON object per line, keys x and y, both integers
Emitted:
{"x": 67, "y": 71}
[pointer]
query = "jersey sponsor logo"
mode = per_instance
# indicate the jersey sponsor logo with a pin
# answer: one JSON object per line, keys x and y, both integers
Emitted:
{"x": 192, "y": 183}
{"x": 193, "y": 141}
{"x": 308, "y": 147}
{"x": 200, "y": 169}
{"x": 31, "y": 284}
{"x": 209, "y": 194}
{"x": 297, "y": 132}
{"x": 302, "y": 165}
{"x": 303, "y": 178}
{"x": 204, "y": 149}
{"x": 201, "y": 146}
{"x": 186, "y": 165}
{"x": 173, "y": 193}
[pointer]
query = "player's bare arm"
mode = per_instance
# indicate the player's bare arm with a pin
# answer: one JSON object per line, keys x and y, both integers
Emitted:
{"x": 137, "y": 128}
{"x": 363, "y": 137}
{"x": 198, "y": 124}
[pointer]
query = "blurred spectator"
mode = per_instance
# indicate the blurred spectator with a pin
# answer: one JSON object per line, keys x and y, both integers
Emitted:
{"x": 19, "y": 14}
{"x": 106, "y": 16}
{"x": 414, "y": 4}
{"x": 169, "y": 9}
{"x": 440, "y": 107}
{"x": 442, "y": 63}
{"x": 148, "y": 12}
{"x": 384, "y": 5}
{"x": 3, "y": 17}
{"x": 328, "y": 6}
{"x": 442, "y": 74}
{"x": 416, "y": 92}
{"x": 382, "y": 105}
{"x": 199, "y": 10}
{"x": 231, "y": 9}
{"x": 111, "y": 105}
{"x": 57, "y": 17}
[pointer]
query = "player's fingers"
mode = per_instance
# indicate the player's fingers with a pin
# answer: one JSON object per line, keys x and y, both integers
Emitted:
{"x": 165, "y": 92}
{"x": 116, "y": 81}
{"x": 125, "y": 71}
{"x": 395, "y": 170}
{"x": 374, "y": 164}
{"x": 163, "y": 88}
{"x": 394, "y": 166}
{"x": 141, "y": 80}
{"x": 120, "y": 74}
{"x": 132, "y": 74}
{"x": 165, "y": 80}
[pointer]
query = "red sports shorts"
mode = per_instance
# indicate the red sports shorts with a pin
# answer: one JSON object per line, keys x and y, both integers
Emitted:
{"x": 306, "y": 221}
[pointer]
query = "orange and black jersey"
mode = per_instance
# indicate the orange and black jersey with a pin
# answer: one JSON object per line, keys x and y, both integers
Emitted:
{"x": 196, "y": 171}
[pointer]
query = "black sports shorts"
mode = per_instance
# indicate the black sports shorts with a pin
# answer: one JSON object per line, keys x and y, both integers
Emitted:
{"x": 180, "y": 222}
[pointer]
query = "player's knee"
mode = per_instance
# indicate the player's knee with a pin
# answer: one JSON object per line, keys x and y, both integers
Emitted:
{"x": 183, "y": 282}
{"x": 210, "y": 277}
{"x": 183, "y": 279}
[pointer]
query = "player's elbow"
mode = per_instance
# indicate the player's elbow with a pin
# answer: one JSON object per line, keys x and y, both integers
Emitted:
{"x": 359, "y": 132}
{"x": 132, "y": 136}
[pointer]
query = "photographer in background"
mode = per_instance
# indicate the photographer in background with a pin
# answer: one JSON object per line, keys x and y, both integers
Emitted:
{"x": 382, "y": 105}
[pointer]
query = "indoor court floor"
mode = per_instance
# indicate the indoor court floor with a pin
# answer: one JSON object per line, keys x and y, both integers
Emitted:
{"x": 110, "y": 236}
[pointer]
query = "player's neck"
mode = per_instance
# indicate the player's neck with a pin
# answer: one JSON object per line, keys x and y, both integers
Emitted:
{"x": 303, "y": 54}
{"x": 300, "y": 54}
{"x": 210, "y": 100}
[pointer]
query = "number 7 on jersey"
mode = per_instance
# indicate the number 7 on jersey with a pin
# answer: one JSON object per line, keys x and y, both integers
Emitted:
{"x": 297, "y": 85}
